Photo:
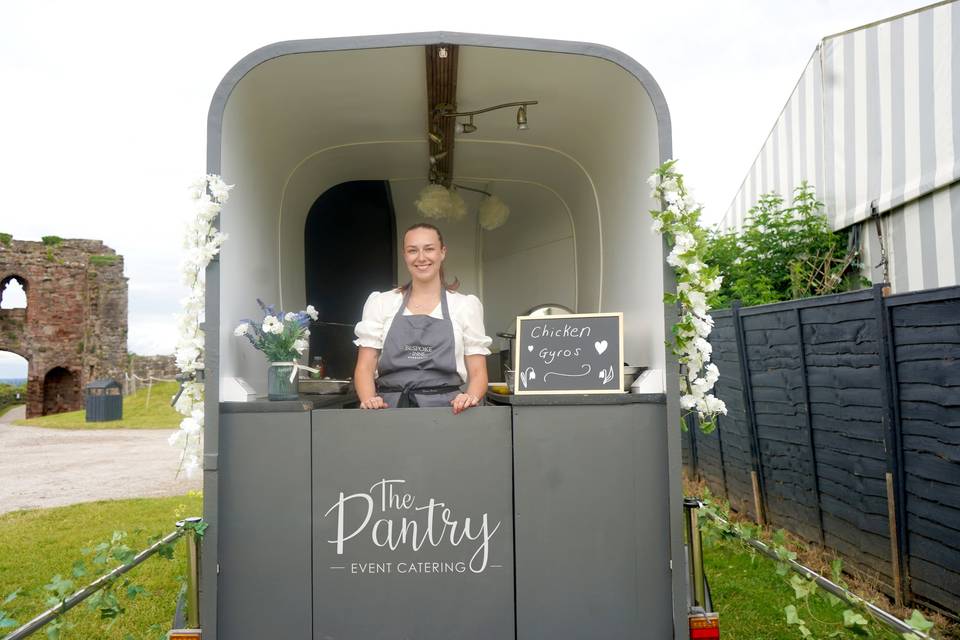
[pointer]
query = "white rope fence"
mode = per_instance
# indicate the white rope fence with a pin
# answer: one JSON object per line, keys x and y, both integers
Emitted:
{"x": 131, "y": 381}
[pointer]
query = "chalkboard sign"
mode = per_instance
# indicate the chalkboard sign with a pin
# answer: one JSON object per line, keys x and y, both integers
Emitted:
{"x": 581, "y": 353}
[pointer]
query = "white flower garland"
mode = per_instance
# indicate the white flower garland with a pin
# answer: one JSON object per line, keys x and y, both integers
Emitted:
{"x": 202, "y": 243}
{"x": 679, "y": 223}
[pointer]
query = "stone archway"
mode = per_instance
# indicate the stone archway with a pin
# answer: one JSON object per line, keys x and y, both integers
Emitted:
{"x": 61, "y": 391}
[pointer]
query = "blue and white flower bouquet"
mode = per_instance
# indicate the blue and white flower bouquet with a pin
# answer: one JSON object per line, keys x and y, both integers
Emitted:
{"x": 282, "y": 337}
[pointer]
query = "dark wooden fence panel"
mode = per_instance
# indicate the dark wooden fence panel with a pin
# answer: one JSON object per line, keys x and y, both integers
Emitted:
{"x": 926, "y": 339}
{"x": 733, "y": 429}
{"x": 843, "y": 356}
{"x": 774, "y": 359}
{"x": 854, "y": 410}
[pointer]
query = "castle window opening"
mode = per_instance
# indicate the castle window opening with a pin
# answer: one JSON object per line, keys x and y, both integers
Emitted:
{"x": 13, "y": 293}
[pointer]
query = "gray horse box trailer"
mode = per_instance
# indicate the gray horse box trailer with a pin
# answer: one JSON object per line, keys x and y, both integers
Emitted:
{"x": 537, "y": 516}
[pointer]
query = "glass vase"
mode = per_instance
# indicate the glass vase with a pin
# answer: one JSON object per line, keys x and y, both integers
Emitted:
{"x": 279, "y": 386}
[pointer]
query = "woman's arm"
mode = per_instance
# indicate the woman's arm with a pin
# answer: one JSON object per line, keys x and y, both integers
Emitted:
{"x": 476, "y": 384}
{"x": 363, "y": 379}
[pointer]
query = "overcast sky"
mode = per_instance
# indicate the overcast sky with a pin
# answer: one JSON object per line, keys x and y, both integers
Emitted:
{"x": 104, "y": 105}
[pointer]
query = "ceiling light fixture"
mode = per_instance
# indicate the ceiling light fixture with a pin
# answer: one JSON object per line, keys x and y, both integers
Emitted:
{"x": 522, "y": 118}
{"x": 465, "y": 127}
{"x": 448, "y": 111}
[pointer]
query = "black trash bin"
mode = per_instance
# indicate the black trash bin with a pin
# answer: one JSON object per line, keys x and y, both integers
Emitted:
{"x": 104, "y": 401}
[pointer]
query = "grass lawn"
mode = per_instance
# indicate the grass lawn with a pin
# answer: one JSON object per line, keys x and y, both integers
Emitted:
{"x": 137, "y": 413}
{"x": 39, "y": 543}
{"x": 750, "y": 597}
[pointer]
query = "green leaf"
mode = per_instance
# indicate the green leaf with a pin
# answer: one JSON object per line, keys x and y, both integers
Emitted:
{"x": 853, "y": 619}
{"x": 10, "y": 598}
{"x": 918, "y": 622}
{"x": 804, "y": 631}
{"x": 792, "y": 617}
{"x": 802, "y": 588}
{"x": 79, "y": 569}
{"x": 836, "y": 570}
{"x": 134, "y": 590}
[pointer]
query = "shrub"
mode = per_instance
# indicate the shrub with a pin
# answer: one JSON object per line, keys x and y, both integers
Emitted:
{"x": 783, "y": 253}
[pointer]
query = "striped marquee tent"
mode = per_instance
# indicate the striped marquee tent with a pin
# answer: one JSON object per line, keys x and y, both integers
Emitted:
{"x": 874, "y": 124}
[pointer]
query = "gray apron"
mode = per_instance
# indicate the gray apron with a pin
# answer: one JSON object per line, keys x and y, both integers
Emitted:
{"x": 418, "y": 362}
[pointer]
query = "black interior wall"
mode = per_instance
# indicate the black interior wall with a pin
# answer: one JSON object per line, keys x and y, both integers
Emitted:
{"x": 349, "y": 251}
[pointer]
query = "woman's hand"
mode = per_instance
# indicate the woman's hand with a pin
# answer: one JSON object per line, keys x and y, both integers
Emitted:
{"x": 463, "y": 402}
{"x": 376, "y": 402}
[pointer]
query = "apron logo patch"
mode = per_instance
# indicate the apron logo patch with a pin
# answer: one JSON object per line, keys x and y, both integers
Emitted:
{"x": 417, "y": 351}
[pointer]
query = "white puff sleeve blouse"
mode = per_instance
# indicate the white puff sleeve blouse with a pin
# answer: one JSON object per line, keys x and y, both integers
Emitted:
{"x": 466, "y": 311}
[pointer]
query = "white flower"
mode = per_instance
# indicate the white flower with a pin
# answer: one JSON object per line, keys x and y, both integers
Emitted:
{"x": 684, "y": 241}
{"x": 689, "y": 203}
{"x": 702, "y": 327}
{"x": 272, "y": 325}
{"x": 301, "y": 345}
{"x": 703, "y": 346}
{"x": 177, "y": 439}
{"x": 290, "y": 316}
{"x": 688, "y": 401}
{"x": 700, "y": 386}
{"x": 191, "y": 464}
{"x": 219, "y": 188}
{"x": 190, "y": 426}
{"x": 714, "y": 285}
{"x": 671, "y": 196}
{"x": 241, "y": 329}
{"x": 715, "y": 405}
{"x": 695, "y": 266}
{"x": 312, "y": 312}
{"x": 198, "y": 188}
{"x": 657, "y": 225}
{"x": 205, "y": 208}
{"x": 712, "y": 373}
{"x": 670, "y": 184}
{"x": 698, "y": 302}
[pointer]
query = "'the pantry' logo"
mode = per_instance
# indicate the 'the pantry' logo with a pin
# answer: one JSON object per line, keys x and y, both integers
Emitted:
{"x": 398, "y": 521}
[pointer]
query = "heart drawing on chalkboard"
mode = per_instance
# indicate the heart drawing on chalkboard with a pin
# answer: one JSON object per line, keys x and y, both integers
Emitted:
{"x": 600, "y": 346}
{"x": 530, "y": 347}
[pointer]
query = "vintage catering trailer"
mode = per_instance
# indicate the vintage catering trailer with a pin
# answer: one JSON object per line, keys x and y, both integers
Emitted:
{"x": 536, "y": 516}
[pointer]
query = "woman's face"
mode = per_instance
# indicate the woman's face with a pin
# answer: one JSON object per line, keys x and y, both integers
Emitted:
{"x": 423, "y": 254}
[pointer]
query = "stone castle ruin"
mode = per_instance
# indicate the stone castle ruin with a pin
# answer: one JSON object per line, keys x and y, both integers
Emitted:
{"x": 73, "y": 329}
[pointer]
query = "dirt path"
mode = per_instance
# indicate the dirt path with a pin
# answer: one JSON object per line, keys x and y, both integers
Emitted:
{"x": 54, "y": 467}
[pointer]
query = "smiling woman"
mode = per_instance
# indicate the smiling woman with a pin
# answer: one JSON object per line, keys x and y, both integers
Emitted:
{"x": 419, "y": 343}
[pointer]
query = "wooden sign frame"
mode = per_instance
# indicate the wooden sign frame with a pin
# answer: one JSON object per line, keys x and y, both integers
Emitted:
{"x": 518, "y": 344}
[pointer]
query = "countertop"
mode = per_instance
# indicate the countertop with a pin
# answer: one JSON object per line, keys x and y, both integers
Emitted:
{"x": 558, "y": 399}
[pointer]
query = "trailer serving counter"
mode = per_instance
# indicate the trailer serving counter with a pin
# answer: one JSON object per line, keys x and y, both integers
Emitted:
{"x": 534, "y": 517}
{"x": 544, "y": 517}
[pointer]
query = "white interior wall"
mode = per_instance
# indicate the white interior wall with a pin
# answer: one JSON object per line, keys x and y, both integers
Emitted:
{"x": 299, "y": 124}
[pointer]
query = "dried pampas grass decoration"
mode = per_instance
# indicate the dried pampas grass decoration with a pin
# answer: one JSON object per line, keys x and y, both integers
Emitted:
{"x": 493, "y": 213}
{"x": 458, "y": 207}
{"x": 435, "y": 202}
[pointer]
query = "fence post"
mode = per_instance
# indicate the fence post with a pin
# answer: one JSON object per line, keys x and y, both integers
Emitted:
{"x": 893, "y": 445}
{"x": 756, "y": 472}
{"x": 809, "y": 419}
